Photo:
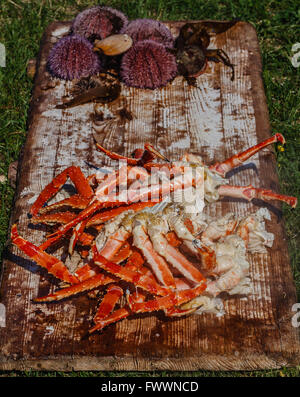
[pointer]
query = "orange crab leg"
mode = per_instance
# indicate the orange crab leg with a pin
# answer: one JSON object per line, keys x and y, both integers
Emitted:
{"x": 173, "y": 239}
{"x": 249, "y": 193}
{"x": 52, "y": 219}
{"x": 138, "y": 279}
{"x": 168, "y": 301}
{"x": 180, "y": 262}
{"x": 109, "y": 184}
{"x": 114, "y": 243}
{"x": 177, "y": 312}
{"x": 207, "y": 254}
{"x": 105, "y": 216}
{"x": 119, "y": 314}
{"x": 77, "y": 232}
{"x": 75, "y": 201}
{"x": 140, "y": 159}
{"x": 137, "y": 296}
{"x": 86, "y": 285}
{"x": 156, "y": 192}
{"x": 116, "y": 156}
{"x": 238, "y": 159}
{"x": 52, "y": 264}
{"x": 86, "y": 239}
{"x": 123, "y": 253}
{"x": 158, "y": 264}
{"x": 115, "y": 316}
{"x": 108, "y": 302}
{"x": 79, "y": 180}
{"x": 135, "y": 260}
{"x": 93, "y": 207}
{"x": 87, "y": 271}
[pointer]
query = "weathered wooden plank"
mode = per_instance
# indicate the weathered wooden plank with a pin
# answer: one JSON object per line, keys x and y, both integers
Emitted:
{"x": 216, "y": 119}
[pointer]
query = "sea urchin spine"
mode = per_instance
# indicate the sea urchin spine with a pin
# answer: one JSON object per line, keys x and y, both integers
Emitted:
{"x": 72, "y": 57}
{"x": 148, "y": 64}
{"x": 99, "y": 22}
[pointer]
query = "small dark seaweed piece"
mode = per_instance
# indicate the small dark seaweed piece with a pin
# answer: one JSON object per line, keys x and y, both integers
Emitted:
{"x": 101, "y": 93}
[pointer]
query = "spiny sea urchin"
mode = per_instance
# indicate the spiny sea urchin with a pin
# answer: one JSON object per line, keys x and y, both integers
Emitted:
{"x": 72, "y": 57}
{"x": 99, "y": 22}
{"x": 148, "y": 64}
{"x": 149, "y": 29}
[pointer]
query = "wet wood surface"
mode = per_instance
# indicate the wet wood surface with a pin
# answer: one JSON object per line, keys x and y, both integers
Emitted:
{"x": 217, "y": 119}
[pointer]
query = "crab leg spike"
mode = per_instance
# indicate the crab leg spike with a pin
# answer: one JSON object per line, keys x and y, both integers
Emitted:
{"x": 249, "y": 193}
{"x": 86, "y": 285}
{"x": 52, "y": 264}
{"x": 236, "y": 160}
{"x": 108, "y": 302}
{"x": 79, "y": 180}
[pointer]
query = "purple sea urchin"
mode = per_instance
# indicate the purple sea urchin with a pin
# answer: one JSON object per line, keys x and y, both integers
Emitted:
{"x": 72, "y": 57}
{"x": 148, "y": 64}
{"x": 149, "y": 29}
{"x": 99, "y": 22}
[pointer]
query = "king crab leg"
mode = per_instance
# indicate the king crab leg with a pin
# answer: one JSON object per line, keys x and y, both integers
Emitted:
{"x": 76, "y": 201}
{"x": 157, "y": 228}
{"x": 75, "y": 174}
{"x": 110, "y": 299}
{"x": 146, "y": 156}
{"x": 115, "y": 316}
{"x": 172, "y": 299}
{"x": 236, "y": 160}
{"x": 52, "y": 264}
{"x": 138, "y": 279}
{"x": 77, "y": 232}
{"x": 119, "y": 314}
{"x": 114, "y": 243}
{"x": 249, "y": 193}
{"x": 105, "y": 216}
{"x": 91, "y": 283}
{"x": 158, "y": 264}
{"x": 156, "y": 192}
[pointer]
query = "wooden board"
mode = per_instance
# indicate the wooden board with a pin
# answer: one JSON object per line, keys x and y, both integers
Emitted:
{"x": 216, "y": 120}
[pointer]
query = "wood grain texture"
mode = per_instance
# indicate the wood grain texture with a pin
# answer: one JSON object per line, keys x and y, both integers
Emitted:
{"x": 216, "y": 119}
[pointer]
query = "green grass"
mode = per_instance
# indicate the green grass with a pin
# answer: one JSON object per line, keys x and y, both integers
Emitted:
{"x": 277, "y": 23}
